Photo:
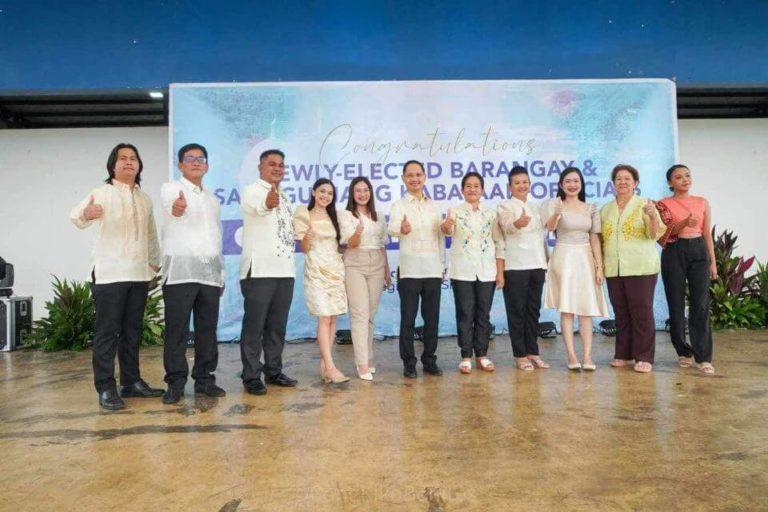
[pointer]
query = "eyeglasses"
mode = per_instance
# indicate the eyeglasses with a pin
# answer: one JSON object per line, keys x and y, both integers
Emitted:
{"x": 198, "y": 159}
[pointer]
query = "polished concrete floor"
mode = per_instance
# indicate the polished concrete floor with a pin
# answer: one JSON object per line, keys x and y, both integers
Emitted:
{"x": 548, "y": 440}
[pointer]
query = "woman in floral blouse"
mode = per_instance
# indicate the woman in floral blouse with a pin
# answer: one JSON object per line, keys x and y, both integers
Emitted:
{"x": 476, "y": 268}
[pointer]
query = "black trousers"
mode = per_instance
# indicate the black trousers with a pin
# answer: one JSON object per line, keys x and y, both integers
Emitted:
{"x": 473, "y": 301}
{"x": 267, "y": 303}
{"x": 522, "y": 300}
{"x": 686, "y": 260}
{"x": 181, "y": 300}
{"x": 410, "y": 291}
{"x": 119, "y": 319}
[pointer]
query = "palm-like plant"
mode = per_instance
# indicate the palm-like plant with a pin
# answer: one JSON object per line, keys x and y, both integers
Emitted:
{"x": 71, "y": 320}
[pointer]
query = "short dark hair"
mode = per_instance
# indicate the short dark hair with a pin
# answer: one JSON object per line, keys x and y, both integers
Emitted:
{"x": 673, "y": 169}
{"x": 190, "y": 147}
{"x": 268, "y": 152}
{"x": 518, "y": 169}
{"x": 472, "y": 174}
{"x": 409, "y": 162}
{"x": 112, "y": 160}
{"x": 566, "y": 172}
{"x": 625, "y": 167}
{"x": 351, "y": 198}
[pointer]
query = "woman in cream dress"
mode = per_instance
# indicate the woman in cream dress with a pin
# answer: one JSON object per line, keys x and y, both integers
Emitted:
{"x": 317, "y": 227}
{"x": 575, "y": 283}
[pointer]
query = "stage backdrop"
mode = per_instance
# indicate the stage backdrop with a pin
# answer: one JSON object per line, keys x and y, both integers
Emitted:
{"x": 340, "y": 130}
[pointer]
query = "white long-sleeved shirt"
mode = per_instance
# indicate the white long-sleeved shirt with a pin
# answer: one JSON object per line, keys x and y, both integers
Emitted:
{"x": 268, "y": 238}
{"x": 374, "y": 235}
{"x": 125, "y": 244}
{"x": 422, "y": 251}
{"x": 476, "y": 243}
{"x": 192, "y": 242}
{"x": 524, "y": 248}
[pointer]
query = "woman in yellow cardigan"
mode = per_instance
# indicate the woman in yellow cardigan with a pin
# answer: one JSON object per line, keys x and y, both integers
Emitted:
{"x": 631, "y": 225}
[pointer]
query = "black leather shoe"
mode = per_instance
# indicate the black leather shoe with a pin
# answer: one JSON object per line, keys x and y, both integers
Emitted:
{"x": 283, "y": 380}
{"x": 433, "y": 369}
{"x": 410, "y": 372}
{"x": 209, "y": 389}
{"x": 110, "y": 400}
{"x": 255, "y": 387}
{"x": 140, "y": 389}
{"x": 172, "y": 395}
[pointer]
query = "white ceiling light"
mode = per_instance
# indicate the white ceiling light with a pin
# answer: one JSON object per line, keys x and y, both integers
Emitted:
{"x": 156, "y": 95}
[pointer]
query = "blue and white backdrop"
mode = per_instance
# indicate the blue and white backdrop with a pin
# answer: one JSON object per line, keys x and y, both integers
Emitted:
{"x": 340, "y": 130}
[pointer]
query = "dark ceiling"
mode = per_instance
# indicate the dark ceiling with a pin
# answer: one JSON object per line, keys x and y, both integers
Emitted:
{"x": 137, "y": 108}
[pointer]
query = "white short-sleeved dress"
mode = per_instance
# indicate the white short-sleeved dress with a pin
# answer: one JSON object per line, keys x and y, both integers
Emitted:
{"x": 571, "y": 286}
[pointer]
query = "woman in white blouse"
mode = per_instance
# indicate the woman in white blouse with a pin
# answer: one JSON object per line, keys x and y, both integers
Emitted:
{"x": 525, "y": 266}
{"x": 366, "y": 269}
{"x": 476, "y": 267}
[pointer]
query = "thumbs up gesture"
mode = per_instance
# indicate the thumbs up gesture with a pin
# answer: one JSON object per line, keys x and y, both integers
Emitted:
{"x": 649, "y": 207}
{"x": 309, "y": 235}
{"x": 523, "y": 220}
{"x": 405, "y": 226}
{"x": 359, "y": 228}
{"x": 92, "y": 210}
{"x": 273, "y": 197}
{"x": 691, "y": 221}
{"x": 559, "y": 207}
{"x": 179, "y": 205}
{"x": 449, "y": 222}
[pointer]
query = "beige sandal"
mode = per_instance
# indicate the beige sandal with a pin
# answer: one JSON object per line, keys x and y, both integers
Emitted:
{"x": 539, "y": 362}
{"x": 465, "y": 367}
{"x": 485, "y": 364}
{"x": 525, "y": 365}
{"x": 643, "y": 367}
{"x": 706, "y": 368}
{"x": 684, "y": 362}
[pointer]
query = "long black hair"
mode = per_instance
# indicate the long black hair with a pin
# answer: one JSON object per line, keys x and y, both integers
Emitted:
{"x": 331, "y": 208}
{"x": 566, "y": 172}
{"x": 352, "y": 206}
{"x": 112, "y": 161}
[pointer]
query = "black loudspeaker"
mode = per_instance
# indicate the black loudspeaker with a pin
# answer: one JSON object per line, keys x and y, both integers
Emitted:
{"x": 608, "y": 327}
{"x": 547, "y": 330}
{"x": 15, "y": 321}
{"x": 343, "y": 337}
{"x": 6, "y": 279}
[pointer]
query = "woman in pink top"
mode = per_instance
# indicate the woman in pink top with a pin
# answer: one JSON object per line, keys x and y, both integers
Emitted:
{"x": 688, "y": 257}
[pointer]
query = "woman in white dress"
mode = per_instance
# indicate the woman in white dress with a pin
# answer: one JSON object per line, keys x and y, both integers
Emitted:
{"x": 574, "y": 286}
{"x": 317, "y": 227}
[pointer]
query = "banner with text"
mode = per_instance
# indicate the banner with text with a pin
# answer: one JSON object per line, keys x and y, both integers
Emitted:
{"x": 340, "y": 130}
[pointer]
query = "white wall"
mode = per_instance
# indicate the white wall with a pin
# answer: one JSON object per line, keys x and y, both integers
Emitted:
{"x": 728, "y": 159}
{"x": 43, "y": 173}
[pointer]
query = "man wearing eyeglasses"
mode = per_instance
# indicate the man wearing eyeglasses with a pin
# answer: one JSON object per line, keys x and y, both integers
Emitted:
{"x": 193, "y": 275}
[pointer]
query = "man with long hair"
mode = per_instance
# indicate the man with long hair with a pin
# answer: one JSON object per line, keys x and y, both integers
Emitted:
{"x": 124, "y": 259}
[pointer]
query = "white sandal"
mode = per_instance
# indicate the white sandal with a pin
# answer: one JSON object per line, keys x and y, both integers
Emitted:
{"x": 485, "y": 364}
